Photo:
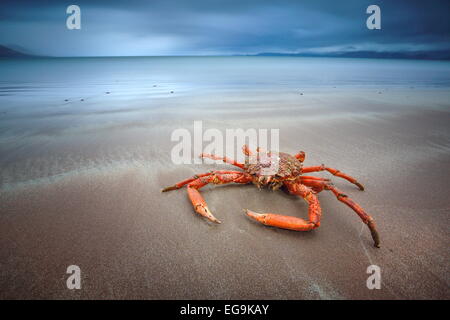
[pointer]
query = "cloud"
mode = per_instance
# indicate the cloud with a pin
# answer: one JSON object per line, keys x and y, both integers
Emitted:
{"x": 199, "y": 27}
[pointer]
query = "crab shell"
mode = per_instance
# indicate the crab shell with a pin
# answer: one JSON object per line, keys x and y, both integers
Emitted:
{"x": 271, "y": 169}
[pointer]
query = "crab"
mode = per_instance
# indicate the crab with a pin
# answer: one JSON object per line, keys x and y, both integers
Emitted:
{"x": 276, "y": 170}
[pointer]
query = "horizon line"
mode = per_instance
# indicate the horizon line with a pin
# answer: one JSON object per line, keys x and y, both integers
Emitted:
{"x": 277, "y": 55}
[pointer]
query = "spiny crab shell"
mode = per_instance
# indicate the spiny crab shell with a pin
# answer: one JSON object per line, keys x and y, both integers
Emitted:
{"x": 272, "y": 168}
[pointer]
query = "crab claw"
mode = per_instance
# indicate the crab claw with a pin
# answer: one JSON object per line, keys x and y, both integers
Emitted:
{"x": 280, "y": 221}
{"x": 255, "y": 215}
{"x": 205, "y": 212}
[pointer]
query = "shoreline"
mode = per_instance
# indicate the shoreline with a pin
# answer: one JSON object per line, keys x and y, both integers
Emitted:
{"x": 98, "y": 202}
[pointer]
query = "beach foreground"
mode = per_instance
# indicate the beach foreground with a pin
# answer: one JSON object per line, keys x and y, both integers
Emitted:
{"x": 82, "y": 186}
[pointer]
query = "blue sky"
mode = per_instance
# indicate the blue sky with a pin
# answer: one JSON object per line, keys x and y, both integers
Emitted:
{"x": 213, "y": 27}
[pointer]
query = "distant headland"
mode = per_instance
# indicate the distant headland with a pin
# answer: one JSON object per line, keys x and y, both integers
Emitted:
{"x": 6, "y": 52}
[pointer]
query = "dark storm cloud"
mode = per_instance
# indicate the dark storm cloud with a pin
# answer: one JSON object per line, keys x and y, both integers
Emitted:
{"x": 160, "y": 27}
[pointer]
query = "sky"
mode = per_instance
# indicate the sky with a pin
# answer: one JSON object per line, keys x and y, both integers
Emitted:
{"x": 222, "y": 27}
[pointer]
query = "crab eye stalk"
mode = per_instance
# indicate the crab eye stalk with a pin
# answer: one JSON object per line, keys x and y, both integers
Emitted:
{"x": 300, "y": 156}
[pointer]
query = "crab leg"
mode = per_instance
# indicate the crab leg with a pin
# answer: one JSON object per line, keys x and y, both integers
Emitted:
{"x": 304, "y": 178}
{"x": 185, "y": 182}
{"x": 289, "y": 222}
{"x": 199, "y": 202}
{"x": 334, "y": 172}
{"x": 318, "y": 186}
{"x": 300, "y": 156}
{"x": 246, "y": 150}
{"x": 224, "y": 159}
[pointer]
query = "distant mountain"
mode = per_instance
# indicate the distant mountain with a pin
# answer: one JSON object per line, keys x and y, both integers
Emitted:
{"x": 6, "y": 52}
{"x": 19, "y": 52}
{"x": 420, "y": 55}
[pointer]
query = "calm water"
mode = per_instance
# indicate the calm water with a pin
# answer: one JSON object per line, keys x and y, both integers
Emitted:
{"x": 44, "y": 80}
{"x": 57, "y": 117}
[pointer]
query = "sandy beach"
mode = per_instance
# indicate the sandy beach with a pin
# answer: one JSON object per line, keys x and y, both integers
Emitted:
{"x": 82, "y": 186}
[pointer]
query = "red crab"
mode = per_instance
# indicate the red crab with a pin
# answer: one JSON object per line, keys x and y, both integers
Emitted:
{"x": 258, "y": 169}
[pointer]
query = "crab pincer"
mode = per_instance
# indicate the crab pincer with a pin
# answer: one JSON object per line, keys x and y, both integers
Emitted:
{"x": 281, "y": 221}
{"x": 200, "y": 205}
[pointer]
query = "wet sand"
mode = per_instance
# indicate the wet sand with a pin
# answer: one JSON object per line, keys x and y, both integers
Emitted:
{"x": 82, "y": 186}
